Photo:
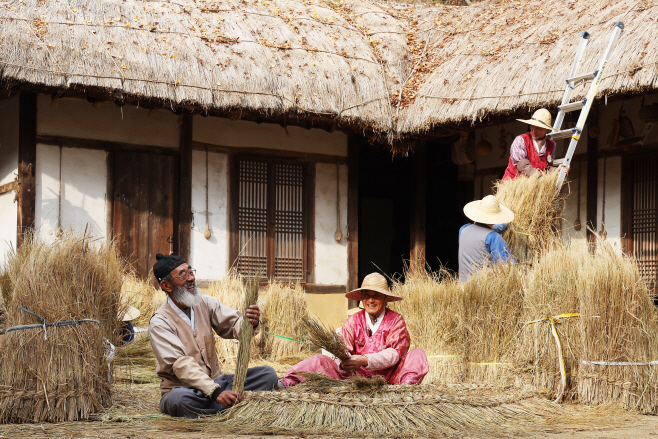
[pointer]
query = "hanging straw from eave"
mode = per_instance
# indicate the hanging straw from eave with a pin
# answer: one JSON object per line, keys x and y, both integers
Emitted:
{"x": 325, "y": 337}
{"x": 245, "y": 336}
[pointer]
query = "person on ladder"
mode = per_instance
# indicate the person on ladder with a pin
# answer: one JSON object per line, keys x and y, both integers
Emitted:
{"x": 532, "y": 152}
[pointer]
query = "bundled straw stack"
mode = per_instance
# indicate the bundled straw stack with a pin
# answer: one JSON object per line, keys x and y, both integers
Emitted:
{"x": 498, "y": 326}
{"x": 59, "y": 374}
{"x": 537, "y": 208}
{"x": 245, "y": 335}
{"x": 282, "y": 334}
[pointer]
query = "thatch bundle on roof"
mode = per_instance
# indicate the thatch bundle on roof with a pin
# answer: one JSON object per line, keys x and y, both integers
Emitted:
{"x": 51, "y": 372}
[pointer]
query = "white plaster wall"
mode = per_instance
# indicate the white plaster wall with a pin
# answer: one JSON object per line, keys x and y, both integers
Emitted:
{"x": 84, "y": 188}
{"x": 8, "y": 171}
{"x": 209, "y": 256}
{"x": 241, "y": 133}
{"x": 330, "y": 256}
{"x": 106, "y": 121}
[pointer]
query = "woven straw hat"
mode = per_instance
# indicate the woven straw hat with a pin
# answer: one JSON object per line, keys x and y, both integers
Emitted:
{"x": 377, "y": 283}
{"x": 540, "y": 118}
{"x": 488, "y": 211}
{"x": 131, "y": 313}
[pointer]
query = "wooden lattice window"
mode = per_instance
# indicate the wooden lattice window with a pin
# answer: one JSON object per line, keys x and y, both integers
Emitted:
{"x": 270, "y": 218}
{"x": 641, "y": 214}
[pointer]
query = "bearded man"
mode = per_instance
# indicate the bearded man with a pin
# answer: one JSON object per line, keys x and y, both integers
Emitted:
{"x": 376, "y": 339}
{"x": 182, "y": 338}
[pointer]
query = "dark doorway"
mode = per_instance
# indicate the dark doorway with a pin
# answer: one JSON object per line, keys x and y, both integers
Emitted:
{"x": 385, "y": 191}
{"x": 446, "y": 197}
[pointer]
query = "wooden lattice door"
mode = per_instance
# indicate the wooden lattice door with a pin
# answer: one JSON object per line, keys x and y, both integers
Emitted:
{"x": 270, "y": 219}
{"x": 643, "y": 215}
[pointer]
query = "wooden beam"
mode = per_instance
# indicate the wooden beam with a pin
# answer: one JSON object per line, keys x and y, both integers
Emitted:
{"x": 104, "y": 145}
{"x": 9, "y": 187}
{"x": 324, "y": 289}
{"x": 353, "y": 147}
{"x": 27, "y": 161}
{"x": 184, "y": 232}
{"x": 232, "y": 206}
{"x": 627, "y": 205}
{"x": 592, "y": 182}
{"x": 309, "y": 259}
{"x": 271, "y": 153}
{"x": 418, "y": 212}
{"x": 109, "y": 196}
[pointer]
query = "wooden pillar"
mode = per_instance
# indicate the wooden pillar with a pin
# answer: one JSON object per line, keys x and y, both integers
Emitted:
{"x": 418, "y": 212}
{"x": 353, "y": 215}
{"x": 184, "y": 232}
{"x": 592, "y": 182}
{"x": 27, "y": 160}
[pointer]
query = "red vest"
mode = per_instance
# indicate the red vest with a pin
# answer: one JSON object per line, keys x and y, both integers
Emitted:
{"x": 366, "y": 343}
{"x": 536, "y": 161}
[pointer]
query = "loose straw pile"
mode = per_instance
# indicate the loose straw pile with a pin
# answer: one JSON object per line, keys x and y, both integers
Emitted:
{"x": 246, "y": 333}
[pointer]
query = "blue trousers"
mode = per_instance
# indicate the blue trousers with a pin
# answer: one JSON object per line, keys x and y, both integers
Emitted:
{"x": 192, "y": 403}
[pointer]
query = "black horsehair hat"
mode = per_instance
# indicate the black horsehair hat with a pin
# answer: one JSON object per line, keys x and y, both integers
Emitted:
{"x": 165, "y": 264}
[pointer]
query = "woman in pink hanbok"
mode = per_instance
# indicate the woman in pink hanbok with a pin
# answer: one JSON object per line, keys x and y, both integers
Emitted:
{"x": 377, "y": 341}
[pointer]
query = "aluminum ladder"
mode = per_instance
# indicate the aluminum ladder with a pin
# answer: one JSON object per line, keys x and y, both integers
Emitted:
{"x": 584, "y": 106}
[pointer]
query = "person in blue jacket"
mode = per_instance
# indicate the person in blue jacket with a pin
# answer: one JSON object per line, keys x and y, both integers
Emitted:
{"x": 479, "y": 242}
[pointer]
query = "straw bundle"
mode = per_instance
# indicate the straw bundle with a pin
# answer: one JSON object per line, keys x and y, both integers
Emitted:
{"x": 143, "y": 296}
{"x": 245, "y": 335}
{"x": 230, "y": 290}
{"x": 62, "y": 377}
{"x": 280, "y": 310}
{"x": 326, "y": 338}
{"x": 537, "y": 209}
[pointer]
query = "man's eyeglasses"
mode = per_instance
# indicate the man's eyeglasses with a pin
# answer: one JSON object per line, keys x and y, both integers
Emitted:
{"x": 186, "y": 275}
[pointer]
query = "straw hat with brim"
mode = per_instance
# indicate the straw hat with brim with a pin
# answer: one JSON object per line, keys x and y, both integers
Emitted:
{"x": 377, "y": 283}
{"x": 131, "y": 313}
{"x": 488, "y": 211}
{"x": 540, "y": 118}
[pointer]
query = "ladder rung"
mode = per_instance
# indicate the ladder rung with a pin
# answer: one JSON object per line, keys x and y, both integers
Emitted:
{"x": 562, "y": 134}
{"x": 572, "y": 106}
{"x": 576, "y": 79}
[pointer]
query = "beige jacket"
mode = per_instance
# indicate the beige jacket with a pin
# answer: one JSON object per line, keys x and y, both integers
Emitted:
{"x": 188, "y": 357}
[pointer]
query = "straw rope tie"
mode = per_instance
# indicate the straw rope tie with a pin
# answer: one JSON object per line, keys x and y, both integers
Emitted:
{"x": 45, "y": 325}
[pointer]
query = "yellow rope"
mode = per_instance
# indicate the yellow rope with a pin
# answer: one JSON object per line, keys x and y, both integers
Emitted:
{"x": 563, "y": 369}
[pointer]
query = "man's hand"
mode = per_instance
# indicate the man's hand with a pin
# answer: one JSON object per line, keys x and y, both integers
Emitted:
{"x": 562, "y": 165}
{"x": 355, "y": 362}
{"x": 228, "y": 398}
{"x": 253, "y": 314}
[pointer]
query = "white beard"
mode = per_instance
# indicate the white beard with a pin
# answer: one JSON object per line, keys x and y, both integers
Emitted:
{"x": 183, "y": 297}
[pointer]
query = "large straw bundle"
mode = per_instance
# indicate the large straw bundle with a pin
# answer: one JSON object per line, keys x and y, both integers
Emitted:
{"x": 230, "y": 291}
{"x": 537, "y": 209}
{"x": 62, "y": 377}
{"x": 282, "y": 332}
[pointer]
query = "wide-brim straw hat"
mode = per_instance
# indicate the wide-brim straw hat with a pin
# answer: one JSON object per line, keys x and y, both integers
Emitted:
{"x": 540, "y": 118}
{"x": 131, "y": 313}
{"x": 488, "y": 211}
{"x": 377, "y": 283}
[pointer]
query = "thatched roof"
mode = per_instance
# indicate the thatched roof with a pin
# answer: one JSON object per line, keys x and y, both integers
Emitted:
{"x": 344, "y": 63}
{"x": 502, "y": 57}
